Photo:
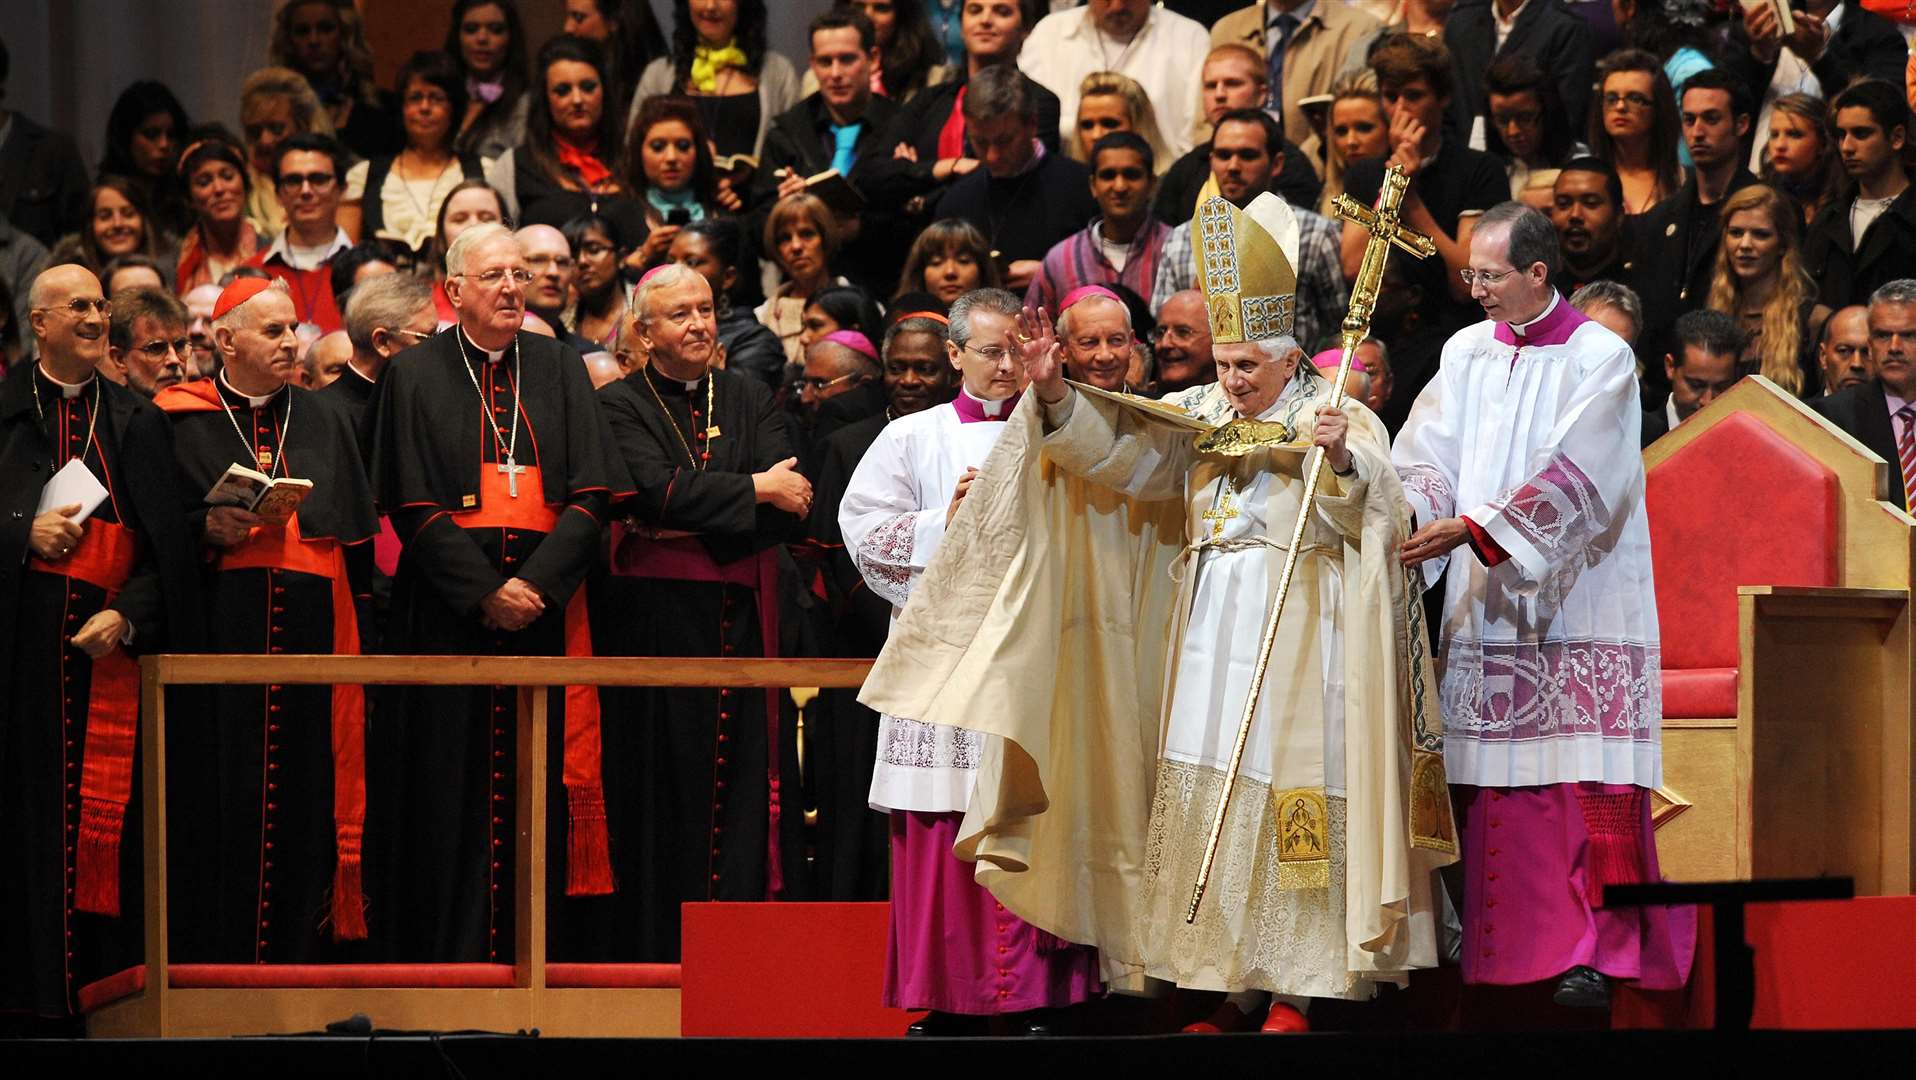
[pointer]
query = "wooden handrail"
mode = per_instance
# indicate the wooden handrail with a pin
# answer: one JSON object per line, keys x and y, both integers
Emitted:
{"x": 247, "y": 669}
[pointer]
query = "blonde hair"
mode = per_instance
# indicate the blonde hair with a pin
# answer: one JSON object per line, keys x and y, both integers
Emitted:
{"x": 278, "y": 82}
{"x": 1780, "y": 343}
{"x": 355, "y": 56}
{"x": 1137, "y": 105}
{"x": 1361, "y": 83}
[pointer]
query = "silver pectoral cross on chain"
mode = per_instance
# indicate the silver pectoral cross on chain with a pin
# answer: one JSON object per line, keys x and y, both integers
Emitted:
{"x": 511, "y": 469}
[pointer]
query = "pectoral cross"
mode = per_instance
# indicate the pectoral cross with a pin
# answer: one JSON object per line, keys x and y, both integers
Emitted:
{"x": 511, "y": 469}
{"x": 1224, "y": 511}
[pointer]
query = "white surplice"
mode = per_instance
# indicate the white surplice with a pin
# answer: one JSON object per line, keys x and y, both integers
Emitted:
{"x": 893, "y": 520}
{"x": 1550, "y": 659}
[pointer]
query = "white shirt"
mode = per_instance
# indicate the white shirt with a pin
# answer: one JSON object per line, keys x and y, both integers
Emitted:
{"x": 1503, "y": 25}
{"x": 1163, "y": 57}
{"x": 300, "y": 257}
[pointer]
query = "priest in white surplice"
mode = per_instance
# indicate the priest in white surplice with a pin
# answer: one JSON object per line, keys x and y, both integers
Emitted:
{"x": 1096, "y": 612}
{"x": 1524, "y": 452}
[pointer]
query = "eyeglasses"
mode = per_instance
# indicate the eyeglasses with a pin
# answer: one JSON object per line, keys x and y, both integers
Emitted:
{"x": 818, "y": 386}
{"x": 1178, "y": 334}
{"x": 79, "y": 307}
{"x": 1486, "y": 278}
{"x": 560, "y": 262}
{"x": 994, "y": 353}
{"x": 494, "y": 278}
{"x": 320, "y": 181}
{"x": 160, "y": 347}
{"x": 415, "y": 335}
{"x": 1635, "y": 100}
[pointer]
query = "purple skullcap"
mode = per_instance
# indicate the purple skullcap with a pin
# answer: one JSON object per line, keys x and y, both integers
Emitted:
{"x": 854, "y": 341}
{"x": 1083, "y": 292}
{"x": 1328, "y": 359}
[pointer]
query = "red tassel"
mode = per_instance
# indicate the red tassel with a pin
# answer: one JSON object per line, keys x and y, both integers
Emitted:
{"x": 96, "y": 884}
{"x": 349, "y": 892}
{"x": 588, "y": 852}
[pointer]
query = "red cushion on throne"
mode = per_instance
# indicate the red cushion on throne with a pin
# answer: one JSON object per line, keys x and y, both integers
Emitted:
{"x": 1739, "y": 505}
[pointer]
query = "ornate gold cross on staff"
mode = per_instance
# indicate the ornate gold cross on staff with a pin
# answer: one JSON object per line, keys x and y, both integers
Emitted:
{"x": 1385, "y": 231}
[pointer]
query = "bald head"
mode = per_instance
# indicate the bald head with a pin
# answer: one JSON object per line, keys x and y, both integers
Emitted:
{"x": 325, "y": 360}
{"x": 1183, "y": 343}
{"x": 1845, "y": 356}
{"x": 602, "y": 368}
{"x": 549, "y": 258}
{"x": 69, "y": 321}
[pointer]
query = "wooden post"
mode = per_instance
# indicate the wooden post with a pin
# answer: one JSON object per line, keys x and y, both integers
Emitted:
{"x": 529, "y": 847}
{"x": 153, "y": 837}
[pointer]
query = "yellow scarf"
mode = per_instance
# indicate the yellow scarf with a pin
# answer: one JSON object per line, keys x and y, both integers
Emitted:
{"x": 707, "y": 62}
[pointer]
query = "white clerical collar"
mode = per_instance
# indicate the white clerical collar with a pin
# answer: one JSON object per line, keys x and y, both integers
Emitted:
{"x": 989, "y": 408}
{"x": 67, "y": 390}
{"x": 492, "y": 357}
{"x": 1522, "y": 329}
{"x": 251, "y": 401}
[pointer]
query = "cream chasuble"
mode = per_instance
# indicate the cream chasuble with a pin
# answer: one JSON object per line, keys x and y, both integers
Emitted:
{"x": 1098, "y": 610}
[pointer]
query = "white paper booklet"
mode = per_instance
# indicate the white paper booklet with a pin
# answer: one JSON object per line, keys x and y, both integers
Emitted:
{"x": 74, "y": 483}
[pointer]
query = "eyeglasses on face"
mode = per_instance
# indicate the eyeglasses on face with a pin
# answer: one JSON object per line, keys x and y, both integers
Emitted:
{"x": 495, "y": 277}
{"x": 400, "y": 331}
{"x": 78, "y": 307}
{"x": 1633, "y": 99}
{"x": 994, "y": 353}
{"x": 818, "y": 386}
{"x": 1486, "y": 278}
{"x": 1177, "y": 334}
{"x": 320, "y": 181}
{"x": 159, "y": 347}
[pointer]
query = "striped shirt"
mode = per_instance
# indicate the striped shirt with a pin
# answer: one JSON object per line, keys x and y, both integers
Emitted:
{"x": 1079, "y": 260}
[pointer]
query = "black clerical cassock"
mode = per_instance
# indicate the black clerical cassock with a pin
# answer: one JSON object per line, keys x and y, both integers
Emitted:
{"x": 70, "y": 910}
{"x": 291, "y": 759}
{"x": 696, "y": 788}
{"x": 492, "y": 466}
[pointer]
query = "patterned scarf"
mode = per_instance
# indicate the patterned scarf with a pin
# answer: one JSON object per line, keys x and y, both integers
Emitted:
{"x": 582, "y": 160}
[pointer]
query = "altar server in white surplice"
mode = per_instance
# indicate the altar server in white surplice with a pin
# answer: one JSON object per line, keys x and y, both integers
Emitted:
{"x": 1524, "y": 452}
{"x": 952, "y": 950}
{"x": 1097, "y": 612}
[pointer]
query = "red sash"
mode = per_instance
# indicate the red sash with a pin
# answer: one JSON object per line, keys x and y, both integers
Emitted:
{"x": 588, "y": 843}
{"x": 104, "y": 558}
{"x": 281, "y": 548}
{"x": 685, "y": 559}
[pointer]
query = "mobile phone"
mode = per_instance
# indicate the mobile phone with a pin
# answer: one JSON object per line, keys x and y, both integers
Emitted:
{"x": 678, "y": 215}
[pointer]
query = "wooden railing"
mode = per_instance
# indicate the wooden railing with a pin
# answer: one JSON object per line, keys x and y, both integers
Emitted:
{"x": 161, "y": 1009}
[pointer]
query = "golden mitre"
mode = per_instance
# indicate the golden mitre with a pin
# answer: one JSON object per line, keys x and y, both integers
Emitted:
{"x": 1246, "y": 263}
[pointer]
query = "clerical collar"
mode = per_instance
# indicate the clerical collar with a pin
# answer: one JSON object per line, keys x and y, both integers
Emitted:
{"x": 972, "y": 409}
{"x": 669, "y": 384}
{"x": 251, "y": 401}
{"x": 492, "y": 357}
{"x": 1554, "y": 327}
{"x": 67, "y": 390}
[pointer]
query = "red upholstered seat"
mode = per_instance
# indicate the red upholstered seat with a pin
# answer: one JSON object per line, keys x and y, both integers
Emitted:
{"x": 603, "y": 976}
{"x": 355, "y": 976}
{"x": 1740, "y": 505}
{"x": 124, "y": 983}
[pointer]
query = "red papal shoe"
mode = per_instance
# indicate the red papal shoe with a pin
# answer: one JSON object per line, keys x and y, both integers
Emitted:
{"x": 1285, "y": 1019}
{"x": 1228, "y": 1019}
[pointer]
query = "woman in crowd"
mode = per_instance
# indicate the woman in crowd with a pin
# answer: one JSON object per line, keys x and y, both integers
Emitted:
{"x": 715, "y": 248}
{"x": 131, "y": 271}
{"x": 1801, "y": 158}
{"x": 1358, "y": 128}
{"x": 144, "y": 135}
{"x": 1760, "y": 281}
{"x": 910, "y": 56}
{"x": 473, "y": 202}
{"x": 1108, "y": 102}
{"x": 325, "y": 41}
{"x": 117, "y": 224}
{"x": 598, "y": 250}
{"x": 276, "y": 104}
{"x": 409, "y": 187}
{"x": 628, "y": 32}
{"x": 1634, "y": 126}
{"x": 488, "y": 40}
{"x": 802, "y": 235}
{"x": 948, "y": 259}
{"x": 720, "y": 59}
{"x": 1527, "y": 127}
{"x": 670, "y": 161}
{"x": 840, "y": 307}
{"x": 213, "y": 168}
{"x": 570, "y": 163}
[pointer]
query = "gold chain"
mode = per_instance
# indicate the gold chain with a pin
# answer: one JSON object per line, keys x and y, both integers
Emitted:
{"x": 92, "y": 417}
{"x": 697, "y": 465}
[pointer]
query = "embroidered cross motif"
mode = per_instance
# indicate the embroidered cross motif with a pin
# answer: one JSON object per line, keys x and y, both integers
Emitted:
{"x": 1224, "y": 511}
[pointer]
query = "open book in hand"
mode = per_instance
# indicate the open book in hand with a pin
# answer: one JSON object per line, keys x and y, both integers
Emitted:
{"x": 835, "y": 192}
{"x": 249, "y": 489}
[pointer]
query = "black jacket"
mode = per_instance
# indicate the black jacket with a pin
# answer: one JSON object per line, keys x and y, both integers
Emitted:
{"x": 889, "y": 182}
{"x": 1296, "y": 183}
{"x": 1846, "y": 274}
{"x": 1863, "y": 413}
{"x": 1865, "y": 45}
{"x": 43, "y": 182}
{"x": 1547, "y": 32}
{"x": 1675, "y": 245}
{"x": 1656, "y": 424}
{"x": 798, "y": 141}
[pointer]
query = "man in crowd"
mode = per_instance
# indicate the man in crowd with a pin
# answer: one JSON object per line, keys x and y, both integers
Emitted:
{"x": 78, "y": 592}
{"x": 147, "y": 340}
{"x": 1479, "y": 32}
{"x": 1613, "y": 306}
{"x": 549, "y": 258}
{"x": 1552, "y": 792}
{"x": 1587, "y": 209}
{"x": 43, "y": 182}
{"x": 1123, "y": 243}
{"x": 1449, "y": 182}
{"x": 1022, "y": 198}
{"x": 1182, "y": 343}
{"x": 1866, "y": 237}
{"x": 695, "y": 795}
{"x": 1683, "y": 229}
{"x": 199, "y": 329}
{"x": 291, "y": 759}
{"x": 832, "y": 129}
{"x": 493, "y": 461}
{"x": 1703, "y": 362}
{"x": 308, "y": 172}
{"x": 1306, "y": 44}
{"x": 1095, "y": 339}
{"x": 953, "y": 949}
{"x": 1233, "y": 78}
{"x": 323, "y": 360}
{"x": 384, "y": 316}
{"x": 841, "y": 385}
{"x": 1881, "y": 412}
{"x": 1245, "y": 154}
{"x": 1135, "y": 38}
{"x": 1844, "y": 353}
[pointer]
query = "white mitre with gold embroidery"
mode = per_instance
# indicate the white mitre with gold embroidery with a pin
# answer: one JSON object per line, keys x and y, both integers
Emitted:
{"x": 1246, "y": 265}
